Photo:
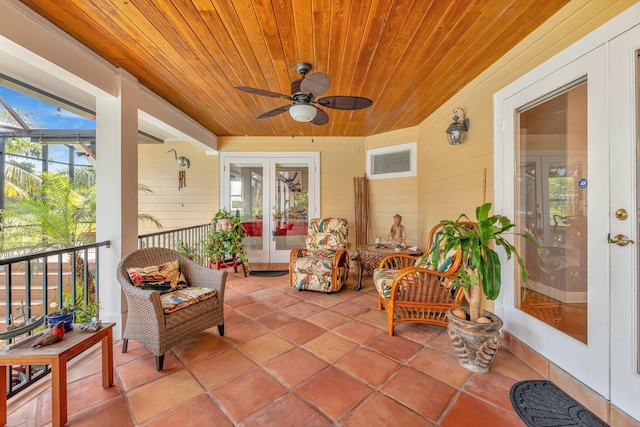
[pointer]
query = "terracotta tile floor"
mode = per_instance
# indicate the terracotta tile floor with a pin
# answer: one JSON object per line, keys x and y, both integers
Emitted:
{"x": 288, "y": 358}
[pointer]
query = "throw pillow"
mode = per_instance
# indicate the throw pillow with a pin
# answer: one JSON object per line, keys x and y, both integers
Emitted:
{"x": 425, "y": 261}
{"x": 163, "y": 278}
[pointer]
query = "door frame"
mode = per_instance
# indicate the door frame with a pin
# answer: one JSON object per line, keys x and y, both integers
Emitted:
{"x": 268, "y": 159}
{"x": 586, "y": 362}
{"x": 625, "y": 345}
{"x": 623, "y": 397}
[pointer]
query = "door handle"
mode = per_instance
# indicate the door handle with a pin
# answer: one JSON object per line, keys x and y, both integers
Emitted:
{"x": 620, "y": 240}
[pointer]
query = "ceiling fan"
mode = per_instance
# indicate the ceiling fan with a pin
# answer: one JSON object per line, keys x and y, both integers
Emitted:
{"x": 303, "y": 94}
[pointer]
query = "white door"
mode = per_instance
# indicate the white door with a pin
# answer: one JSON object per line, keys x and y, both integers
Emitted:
{"x": 625, "y": 299}
{"x": 274, "y": 194}
{"x": 555, "y": 143}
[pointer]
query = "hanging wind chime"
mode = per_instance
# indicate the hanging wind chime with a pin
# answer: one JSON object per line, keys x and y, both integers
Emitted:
{"x": 182, "y": 175}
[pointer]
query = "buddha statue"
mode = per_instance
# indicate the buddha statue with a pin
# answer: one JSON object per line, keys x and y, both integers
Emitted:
{"x": 397, "y": 234}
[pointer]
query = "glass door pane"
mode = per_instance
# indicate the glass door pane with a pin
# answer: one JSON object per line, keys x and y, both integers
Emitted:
{"x": 290, "y": 211}
{"x": 245, "y": 200}
{"x": 551, "y": 203}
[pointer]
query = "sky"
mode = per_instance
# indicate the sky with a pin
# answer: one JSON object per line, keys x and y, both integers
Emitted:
{"x": 45, "y": 117}
{"x": 44, "y": 114}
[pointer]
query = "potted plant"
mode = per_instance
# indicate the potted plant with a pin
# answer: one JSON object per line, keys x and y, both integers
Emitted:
{"x": 86, "y": 313}
{"x": 475, "y": 333}
{"x": 223, "y": 219}
{"x": 224, "y": 242}
{"x": 66, "y": 313}
{"x": 71, "y": 312}
{"x": 190, "y": 251}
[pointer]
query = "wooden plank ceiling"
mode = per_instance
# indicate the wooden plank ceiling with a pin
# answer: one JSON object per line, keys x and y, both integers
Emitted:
{"x": 408, "y": 56}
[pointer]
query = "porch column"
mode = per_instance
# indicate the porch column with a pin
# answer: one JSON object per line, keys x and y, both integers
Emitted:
{"x": 116, "y": 189}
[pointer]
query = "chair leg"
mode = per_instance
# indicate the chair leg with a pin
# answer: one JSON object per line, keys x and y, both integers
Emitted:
{"x": 221, "y": 329}
{"x": 159, "y": 362}
{"x": 125, "y": 341}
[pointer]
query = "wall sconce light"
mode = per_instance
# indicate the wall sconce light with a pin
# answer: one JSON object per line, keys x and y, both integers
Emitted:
{"x": 457, "y": 130}
{"x": 58, "y": 112}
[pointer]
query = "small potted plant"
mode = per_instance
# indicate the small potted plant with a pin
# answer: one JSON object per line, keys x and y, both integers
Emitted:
{"x": 190, "y": 251}
{"x": 88, "y": 313}
{"x": 475, "y": 333}
{"x": 66, "y": 313}
{"x": 223, "y": 244}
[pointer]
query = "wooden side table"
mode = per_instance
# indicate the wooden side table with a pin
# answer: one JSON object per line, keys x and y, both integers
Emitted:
{"x": 57, "y": 355}
{"x": 368, "y": 257}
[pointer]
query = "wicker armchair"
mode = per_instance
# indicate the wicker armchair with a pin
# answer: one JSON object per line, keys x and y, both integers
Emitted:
{"x": 417, "y": 294}
{"x": 323, "y": 265}
{"x": 147, "y": 322}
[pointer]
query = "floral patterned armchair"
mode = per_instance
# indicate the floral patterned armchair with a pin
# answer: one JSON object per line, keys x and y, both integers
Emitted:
{"x": 323, "y": 265}
{"x": 410, "y": 289}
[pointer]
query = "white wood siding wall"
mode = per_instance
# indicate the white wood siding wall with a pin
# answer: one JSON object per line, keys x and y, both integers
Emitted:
{"x": 193, "y": 205}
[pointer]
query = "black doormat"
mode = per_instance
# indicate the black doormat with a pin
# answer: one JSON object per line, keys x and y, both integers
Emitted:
{"x": 268, "y": 273}
{"x": 543, "y": 404}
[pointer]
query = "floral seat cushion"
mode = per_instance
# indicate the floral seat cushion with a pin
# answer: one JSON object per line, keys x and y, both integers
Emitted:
{"x": 312, "y": 282}
{"x": 173, "y": 301}
{"x": 383, "y": 279}
{"x": 314, "y": 272}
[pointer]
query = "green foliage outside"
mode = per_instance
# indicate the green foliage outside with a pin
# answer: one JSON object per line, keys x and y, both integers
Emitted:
{"x": 61, "y": 215}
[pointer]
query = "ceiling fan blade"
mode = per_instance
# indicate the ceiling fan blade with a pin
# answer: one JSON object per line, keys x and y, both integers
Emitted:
{"x": 262, "y": 92}
{"x": 321, "y": 118}
{"x": 315, "y": 84}
{"x": 274, "y": 112}
{"x": 345, "y": 102}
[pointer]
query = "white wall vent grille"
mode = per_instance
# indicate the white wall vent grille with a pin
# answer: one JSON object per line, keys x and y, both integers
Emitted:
{"x": 392, "y": 162}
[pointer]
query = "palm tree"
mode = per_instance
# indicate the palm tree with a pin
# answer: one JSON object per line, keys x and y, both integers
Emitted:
{"x": 19, "y": 182}
{"x": 62, "y": 215}
{"x": 145, "y": 217}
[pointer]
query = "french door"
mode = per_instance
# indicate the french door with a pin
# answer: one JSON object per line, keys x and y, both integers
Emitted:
{"x": 568, "y": 153}
{"x": 560, "y": 160}
{"x": 625, "y": 290}
{"x": 274, "y": 195}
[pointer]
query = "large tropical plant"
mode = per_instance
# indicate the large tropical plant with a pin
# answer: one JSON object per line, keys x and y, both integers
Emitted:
{"x": 62, "y": 215}
{"x": 480, "y": 273}
{"x": 19, "y": 182}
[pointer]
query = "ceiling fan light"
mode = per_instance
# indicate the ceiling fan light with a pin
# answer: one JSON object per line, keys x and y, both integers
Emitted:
{"x": 303, "y": 112}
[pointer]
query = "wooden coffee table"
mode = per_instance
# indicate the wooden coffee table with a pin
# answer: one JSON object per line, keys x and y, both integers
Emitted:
{"x": 368, "y": 257}
{"x": 57, "y": 355}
